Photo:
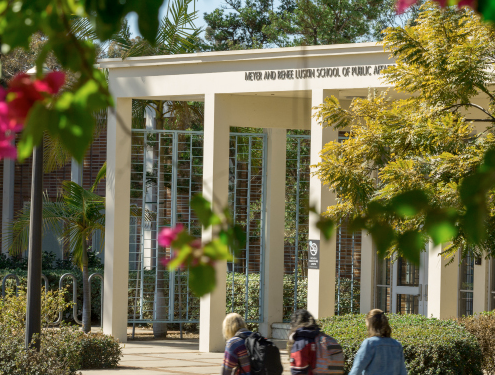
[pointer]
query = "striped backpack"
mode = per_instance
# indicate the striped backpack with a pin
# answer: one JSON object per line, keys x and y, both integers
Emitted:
{"x": 329, "y": 356}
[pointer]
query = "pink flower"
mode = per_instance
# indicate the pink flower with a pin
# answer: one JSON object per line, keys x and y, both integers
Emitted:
{"x": 54, "y": 81}
{"x": 196, "y": 244}
{"x": 402, "y": 5}
{"x": 169, "y": 235}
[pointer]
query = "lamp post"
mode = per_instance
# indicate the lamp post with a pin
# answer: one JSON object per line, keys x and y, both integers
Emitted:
{"x": 33, "y": 310}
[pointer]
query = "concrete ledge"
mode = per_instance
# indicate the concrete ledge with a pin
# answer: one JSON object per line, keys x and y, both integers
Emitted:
{"x": 280, "y": 331}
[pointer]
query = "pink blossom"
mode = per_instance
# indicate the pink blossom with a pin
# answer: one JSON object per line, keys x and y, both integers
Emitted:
{"x": 196, "y": 244}
{"x": 169, "y": 235}
{"x": 402, "y": 5}
{"x": 55, "y": 81}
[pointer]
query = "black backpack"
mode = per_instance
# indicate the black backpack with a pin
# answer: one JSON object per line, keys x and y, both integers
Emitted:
{"x": 264, "y": 356}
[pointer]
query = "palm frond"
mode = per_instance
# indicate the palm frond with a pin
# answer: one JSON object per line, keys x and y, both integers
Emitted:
{"x": 102, "y": 173}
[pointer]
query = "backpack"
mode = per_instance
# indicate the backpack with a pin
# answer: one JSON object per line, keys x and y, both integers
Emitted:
{"x": 329, "y": 356}
{"x": 264, "y": 356}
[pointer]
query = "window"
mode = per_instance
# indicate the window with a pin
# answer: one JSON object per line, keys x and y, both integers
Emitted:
{"x": 383, "y": 285}
{"x": 466, "y": 279}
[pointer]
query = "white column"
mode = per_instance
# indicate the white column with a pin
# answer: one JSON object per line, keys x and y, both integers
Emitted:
{"x": 149, "y": 240}
{"x": 442, "y": 284}
{"x": 215, "y": 190}
{"x": 76, "y": 172}
{"x": 8, "y": 201}
{"x": 273, "y": 261}
{"x": 321, "y": 282}
{"x": 480, "y": 286}
{"x": 117, "y": 219}
{"x": 367, "y": 296}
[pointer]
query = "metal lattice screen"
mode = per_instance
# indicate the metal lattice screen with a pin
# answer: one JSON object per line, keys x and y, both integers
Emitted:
{"x": 348, "y": 244}
{"x": 247, "y": 182}
{"x": 167, "y": 171}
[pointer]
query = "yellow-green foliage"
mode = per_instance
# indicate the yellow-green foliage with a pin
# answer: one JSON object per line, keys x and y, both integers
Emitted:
{"x": 13, "y": 308}
{"x": 64, "y": 350}
{"x": 426, "y": 139}
{"x": 482, "y": 326}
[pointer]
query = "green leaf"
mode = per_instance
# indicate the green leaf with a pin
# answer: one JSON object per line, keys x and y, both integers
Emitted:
{"x": 376, "y": 209}
{"x": 383, "y": 236}
{"x": 74, "y": 127}
{"x": 202, "y": 209}
{"x": 474, "y": 222}
{"x": 182, "y": 255}
{"x": 326, "y": 226}
{"x": 148, "y": 21}
{"x": 202, "y": 279}
{"x": 410, "y": 244}
{"x": 441, "y": 225}
{"x": 410, "y": 203}
{"x": 217, "y": 250}
{"x": 38, "y": 119}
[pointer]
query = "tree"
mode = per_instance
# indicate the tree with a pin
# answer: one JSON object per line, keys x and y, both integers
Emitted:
{"x": 240, "y": 25}
{"x": 401, "y": 173}
{"x": 315, "y": 22}
{"x": 74, "y": 218}
{"x": 257, "y": 24}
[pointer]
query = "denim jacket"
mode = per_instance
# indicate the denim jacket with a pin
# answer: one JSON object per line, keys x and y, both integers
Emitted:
{"x": 379, "y": 356}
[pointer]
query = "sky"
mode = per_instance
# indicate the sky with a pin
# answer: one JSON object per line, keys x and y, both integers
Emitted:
{"x": 201, "y": 5}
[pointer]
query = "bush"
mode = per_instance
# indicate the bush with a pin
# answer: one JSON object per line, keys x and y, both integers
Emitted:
{"x": 482, "y": 326}
{"x": 431, "y": 346}
{"x": 63, "y": 350}
{"x": 53, "y": 277}
{"x": 190, "y": 309}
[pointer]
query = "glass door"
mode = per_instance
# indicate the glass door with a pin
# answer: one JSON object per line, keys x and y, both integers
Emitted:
{"x": 410, "y": 286}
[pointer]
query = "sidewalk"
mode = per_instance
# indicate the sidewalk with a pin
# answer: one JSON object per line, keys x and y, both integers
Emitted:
{"x": 169, "y": 357}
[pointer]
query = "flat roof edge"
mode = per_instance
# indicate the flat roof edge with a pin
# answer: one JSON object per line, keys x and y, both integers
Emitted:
{"x": 255, "y": 54}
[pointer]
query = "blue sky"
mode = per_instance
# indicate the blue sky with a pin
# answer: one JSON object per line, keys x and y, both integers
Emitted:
{"x": 201, "y": 5}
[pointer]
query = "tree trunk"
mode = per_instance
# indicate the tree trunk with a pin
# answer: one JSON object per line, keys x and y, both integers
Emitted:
{"x": 161, "y": 306}
{"x": 86, "y": 316}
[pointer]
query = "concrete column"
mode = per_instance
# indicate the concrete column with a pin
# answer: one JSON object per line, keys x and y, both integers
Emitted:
{"x": 8, "y": 201}
{"x": 117, "y": 219}
{"x": 443, "y": 288}
{"x": 481, "y": 286}
{"x": 321, "y": 282}
{"x": 216, "y": 190}
{"x": 150, "y": 234}
{"x": 367, "y": 296}
{"x": 273, "y": 261}
{"x": 76, "y": 172}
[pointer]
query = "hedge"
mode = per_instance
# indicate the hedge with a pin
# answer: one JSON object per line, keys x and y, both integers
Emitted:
{"x": 431, "y": 346}
{"x": 235, "y": 295}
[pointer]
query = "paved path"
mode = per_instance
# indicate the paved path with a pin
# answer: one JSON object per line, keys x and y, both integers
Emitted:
{"x": 169, "y": 357}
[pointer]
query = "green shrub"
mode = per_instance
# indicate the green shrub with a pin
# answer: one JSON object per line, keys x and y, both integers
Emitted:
{"x": 63, "y": 350}
{"x": 190, "y": 309}
{"x": 431, "y": 346}
{"x": 482, "y": 326}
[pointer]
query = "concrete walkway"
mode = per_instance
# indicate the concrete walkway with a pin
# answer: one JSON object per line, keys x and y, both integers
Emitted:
{"x": 169, "y": 357}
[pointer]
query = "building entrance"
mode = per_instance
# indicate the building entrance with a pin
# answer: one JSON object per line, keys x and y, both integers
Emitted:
{"x": 410, "y": 286}
{"x": 402, "y": 287}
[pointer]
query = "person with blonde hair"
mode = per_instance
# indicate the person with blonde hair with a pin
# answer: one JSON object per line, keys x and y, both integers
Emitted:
{"x": 236, "y": 358}
{"x": 379, "y": 354}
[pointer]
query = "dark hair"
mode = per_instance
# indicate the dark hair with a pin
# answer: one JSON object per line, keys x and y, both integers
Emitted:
{"x": 300, "y": 318}
{"x": 378, "y": 324}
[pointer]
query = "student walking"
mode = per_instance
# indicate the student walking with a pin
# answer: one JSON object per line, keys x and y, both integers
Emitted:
{"x": 236, "y": 358}
{"x": 311, "y": 351}
{"x": 379, "y": 354}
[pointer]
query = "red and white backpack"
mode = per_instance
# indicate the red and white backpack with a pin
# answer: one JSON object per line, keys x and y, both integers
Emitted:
{"x": 329, "y": 356}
